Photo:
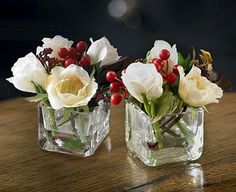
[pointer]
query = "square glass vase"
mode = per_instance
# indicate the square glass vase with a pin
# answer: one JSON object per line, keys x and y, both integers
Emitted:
{"x": 80, "y": 134}
{"x": 181, "y": 137}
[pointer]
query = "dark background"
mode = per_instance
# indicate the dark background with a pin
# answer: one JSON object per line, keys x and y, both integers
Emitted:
{"x": 131, "y": 25}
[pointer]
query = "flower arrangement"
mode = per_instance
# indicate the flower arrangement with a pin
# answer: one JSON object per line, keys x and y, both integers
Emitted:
{"x": 63, "y": 76}
{"x": 69, "y": 83}
{"x": 166, "y": 84}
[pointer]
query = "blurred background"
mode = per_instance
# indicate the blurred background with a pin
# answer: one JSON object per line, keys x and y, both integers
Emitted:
{"x": 132, "y": 26}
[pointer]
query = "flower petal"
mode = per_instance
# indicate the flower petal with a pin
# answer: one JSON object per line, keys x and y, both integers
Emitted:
{"x": 102, "y": 50}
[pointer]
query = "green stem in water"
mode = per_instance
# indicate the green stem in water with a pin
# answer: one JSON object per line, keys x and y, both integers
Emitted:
{"x": 156, "y": 126}
{"x": 51, "y": 113}
{"x": 82, "y": 127}
{"x": 187, "y": 133}
{"x": 52, "y": 120}
{"x": 158, "y": 134}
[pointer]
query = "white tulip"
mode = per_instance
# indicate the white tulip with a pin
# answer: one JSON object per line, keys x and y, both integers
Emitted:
{"x": 55, "y": 43}
{"x": 140, "y": 78}
{"x": 70, "y": 87}
{"x": 27, "y": 70}
{"x": 158, "y": 46}
{"x": 102, "y": 50}
{"x": 197, "y": 90}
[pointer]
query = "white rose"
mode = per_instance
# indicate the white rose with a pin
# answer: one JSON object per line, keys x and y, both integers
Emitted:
{"x": 70, "y": 87}
{"x": 55, "y": 43}
{"x": 102, "y": 50}
{"x": 140, "y": 78}
{"x": 158, "y": 46}
{"x": 26, "y": 70}
{"x": 197, "y": 90}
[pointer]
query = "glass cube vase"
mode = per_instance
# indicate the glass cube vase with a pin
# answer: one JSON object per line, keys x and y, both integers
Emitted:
{"x": 79, "y": 134}
{"x": 181, "y": 136}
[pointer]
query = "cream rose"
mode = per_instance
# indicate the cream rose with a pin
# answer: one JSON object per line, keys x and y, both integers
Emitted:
{"x": 70, "y": 87}
{"x": 55, "y": 43}
{"x": 102, "y": 50}
{"x": 197, "y": 90}
{"x": 158, "y": 46}
{"x": 27, "y": 70}
{"x": 140, "y": 78}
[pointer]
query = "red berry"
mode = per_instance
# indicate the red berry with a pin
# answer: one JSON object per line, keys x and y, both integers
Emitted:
{"x": 158, "y": 67}
{"x": 72, "y": 53}
{"x": 69, "y": 62}
{"x": 170, "y": 78}
{"x": 116, "y": 98}
{"x": 85, "y": 61}
{"x": 115, "y": 86}
{"x": 158, "y": 64}
{"x": 81, "y": 46}
{"x": 157, "y": 61}
{"x": 175, "y": 69}
{"x": 111, "y": 76}
{"x": 164, "y": 54}
{"x": 62, "y": 52}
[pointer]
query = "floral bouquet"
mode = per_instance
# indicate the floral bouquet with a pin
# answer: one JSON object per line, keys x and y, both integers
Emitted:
{"x": 164, "y": 110}
{"x": 69, "y": 84}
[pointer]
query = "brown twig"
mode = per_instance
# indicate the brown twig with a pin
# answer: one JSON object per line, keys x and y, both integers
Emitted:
{"x": 172, "y": 121}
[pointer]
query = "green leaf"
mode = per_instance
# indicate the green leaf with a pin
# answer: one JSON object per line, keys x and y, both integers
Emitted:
{"x": 68, "y": 113}
{"x": 94, "y": 68}
{"x": 148, "y": 55}
{"x": 181, "y": 60}
{"x": 89, "y": 69}
{"x": 38, "y": 88}
{"x": 166, "y": 104}
{"x": 72, "y": 143}
{"x": 38, "y": 97}
{"x": 98, "y": 68}
{"x": 175, "y": 87}
{"x": 97, "y": 65}
{"x": 184, "y": 62}
{"x": 84, "y": 108}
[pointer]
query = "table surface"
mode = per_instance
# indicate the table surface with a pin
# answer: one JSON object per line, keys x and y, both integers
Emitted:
{"x": 25, "y": 167}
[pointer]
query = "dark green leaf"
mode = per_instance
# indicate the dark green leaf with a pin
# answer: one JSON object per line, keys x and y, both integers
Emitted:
{"x": 93, "y": 68}
{"x": 181, "y": 60}
{"x": 97, "y": 65}
{"x": 174, "y": 87}
{"x": 89, "y": 69}
{"x": 184, "y": 62}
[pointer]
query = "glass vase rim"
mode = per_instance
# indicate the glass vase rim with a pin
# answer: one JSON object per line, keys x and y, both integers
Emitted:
{"x": 91, "y": 109}
{"x": 198, "y": 109}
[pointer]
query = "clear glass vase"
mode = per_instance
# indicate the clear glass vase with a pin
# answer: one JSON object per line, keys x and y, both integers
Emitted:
{"x": 181, "y": 136}
{"x": 79, "y": 134}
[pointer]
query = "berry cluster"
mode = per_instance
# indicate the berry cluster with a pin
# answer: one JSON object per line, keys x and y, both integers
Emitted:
{"x": 162, "y": 66}
{"x": 75, "y": 55}
{"x": 116, "y": 87}
{"x": 47, "y": 61}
